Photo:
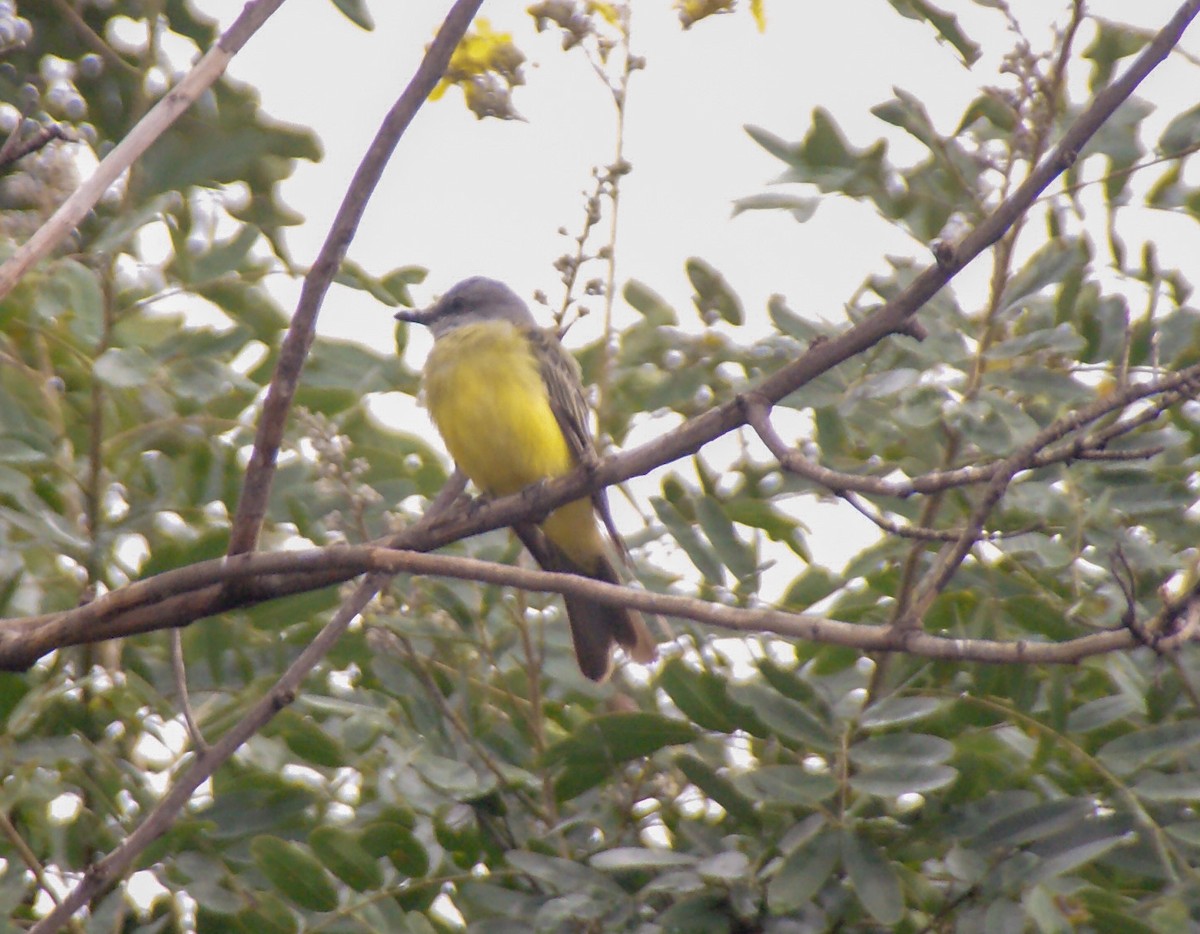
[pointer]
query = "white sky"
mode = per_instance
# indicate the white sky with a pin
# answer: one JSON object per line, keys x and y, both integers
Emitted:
{"x": 465, "y": 197}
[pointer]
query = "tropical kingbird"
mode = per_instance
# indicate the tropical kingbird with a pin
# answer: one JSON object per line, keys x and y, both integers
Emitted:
{"x": 508, "y": 400}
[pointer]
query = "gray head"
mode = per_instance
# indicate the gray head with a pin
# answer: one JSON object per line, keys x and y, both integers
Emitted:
{"x": 472, "y": 301}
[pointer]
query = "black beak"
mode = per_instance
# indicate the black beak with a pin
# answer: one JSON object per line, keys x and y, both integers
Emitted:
{"x": 414, "y": 315}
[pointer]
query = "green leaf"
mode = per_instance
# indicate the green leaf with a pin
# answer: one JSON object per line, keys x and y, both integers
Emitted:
{"x": 896, "y": 710}
{"x": 599, "y": 745}
{"x": 352, "y": 275}
{"x": 626, "y": 858}
{"x": 686, "y": 537}
{"x": 1143, "y": 747}
{"x": 295, "y": 872}
{"x": 873, "y": 877}
{"x": 909, "y": 113}
{"x": 901, "y": 749}
{"x": 1035, "y": 822}
{"x": 1049, "y": 265}
{"x": 557, "y": 874}
{"x": 248, "y": 305}
{"x": 356, "y": 11}
{"x": 786, "y": 785}
{"x": 718, "y": 788}
{"x": 269, "y": 915}
{"x": 726, "y": 868}
{"x": 761, "y": 514}
{"x": 802, "y": 208}
{"x": 702, "y": 696}
{"x": 714, "y": 298}
{"x": 305, "y": 738}
{"x": 1070, "y": 859}
{"x": 824, "y": 158}
{"x": 792, "y": 324}
{"x": 1063, "y": 339}
{"x": 125, "y": 368}
{"x": 885, "y": 384}
{"x": 69, "y": 289}
{"x": 988, "y": 106}
{"x": 784, "y": 716}
{"x": 223, "y": 256}
{"x": 906, "y": 778}
{"x": 734, "y": 553}
{"x": 397, "y": 842}
{"x": 803, "y": 873}
{"x": 816, "y": 583}
{"x": 1101, "y": 712}
{"x": 1157, "y": 786}
{"x": 17, "y": 450}
{"x": 344, "y": 856}
{"x": 121, "y": 228}
{"x": 233, "y": 148}
{"x": 945, "y": 24}
{"x": 1113, "y": 41}
{"x": 652, "y": 306}
{"x": 1181, "y": 134}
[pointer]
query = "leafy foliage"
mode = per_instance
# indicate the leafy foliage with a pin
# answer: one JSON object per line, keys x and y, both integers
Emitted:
{"x": 446, "y": 763}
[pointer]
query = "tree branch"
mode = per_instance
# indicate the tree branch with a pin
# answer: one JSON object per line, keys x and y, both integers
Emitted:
{"x": 1091, "y": 446}
{"x": 112, "y": 867}
{"x": 952, "y": 555}
{"x": 377, "y": 559}
{"x": 209, "y": 758}
{"x": 256, "y": 487}
{"x": 72, "y": 211}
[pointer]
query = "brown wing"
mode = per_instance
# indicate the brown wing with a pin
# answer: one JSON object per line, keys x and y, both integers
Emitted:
{"x": 564, "y": 385}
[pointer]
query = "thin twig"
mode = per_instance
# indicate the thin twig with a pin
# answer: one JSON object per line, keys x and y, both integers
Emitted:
{"x": 113, "y": 866}
{"x": 952, "y": 555}
{"x": 29, "y": 858}
{"x": 1083, "y": 447}
{"x": 179, "y": 670}
{"x": 17, "y": 147}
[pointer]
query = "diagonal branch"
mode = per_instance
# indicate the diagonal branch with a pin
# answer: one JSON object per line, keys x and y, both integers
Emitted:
{"x": 169, "y": 108}
{"x": 1092, "y": 446}
{"x": 103, "y": 874}
{"x": 256, "y": 487}
{"x": 952, "y": 554}
{"x": 209, "y": 758}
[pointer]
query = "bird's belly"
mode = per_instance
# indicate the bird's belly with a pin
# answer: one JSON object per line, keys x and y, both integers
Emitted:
{"x": 486, "y": 395}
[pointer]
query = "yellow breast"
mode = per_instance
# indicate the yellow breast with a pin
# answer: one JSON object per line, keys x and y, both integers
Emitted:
{"x": 487, "y": 398}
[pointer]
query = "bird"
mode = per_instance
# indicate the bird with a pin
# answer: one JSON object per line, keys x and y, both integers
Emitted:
{"x": 508, "y": 400}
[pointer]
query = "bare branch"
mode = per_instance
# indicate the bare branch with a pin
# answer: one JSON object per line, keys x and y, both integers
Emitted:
{"x": 952, "y": 555}
{"x": 256, "y": 487}
{"x": 17, "y": 147}
{"x": 375, "y": 560}
{"x": 1091, "y": 446}
{"x": 210, "y": 757}
{"x": 179, "y": 671}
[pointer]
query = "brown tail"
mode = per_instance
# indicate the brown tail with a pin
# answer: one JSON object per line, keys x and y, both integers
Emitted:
{"x": 594, "y": 626}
